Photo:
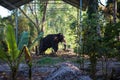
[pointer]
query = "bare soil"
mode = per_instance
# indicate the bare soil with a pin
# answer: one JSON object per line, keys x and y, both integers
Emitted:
{"x": 39, "y": 71}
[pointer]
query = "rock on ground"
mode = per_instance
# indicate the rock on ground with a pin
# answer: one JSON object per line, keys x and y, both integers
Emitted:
{"x": 67, "y": 71}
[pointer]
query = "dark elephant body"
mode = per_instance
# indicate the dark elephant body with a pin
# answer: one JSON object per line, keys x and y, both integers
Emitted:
{"x": 50, "y": 41}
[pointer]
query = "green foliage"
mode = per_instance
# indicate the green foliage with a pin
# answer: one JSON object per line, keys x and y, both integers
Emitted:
{"x": 33, "y": 31}
{"x": 3, "y": 55}
{"x": 110, "y": 41}
{"x": 22, "y": 24}
{"x": 11, "y": 42}
{"x": 49, "y": 60}
{"x": 73, "y": 25}
{"x": 2, "y": 31}
{"x": 90, "y": 35}
{"x": 37, "y": 39}
{"x": 24, "y": 39}
{"x": 13, "y": 55}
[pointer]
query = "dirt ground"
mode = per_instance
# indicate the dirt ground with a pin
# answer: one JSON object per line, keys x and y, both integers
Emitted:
{"x": 67, "y": 55}
{"x": 43, "y": 65}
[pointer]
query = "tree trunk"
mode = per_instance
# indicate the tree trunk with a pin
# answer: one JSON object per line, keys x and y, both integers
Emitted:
{"x": 92, "y": 15}
{"x": 93, "y": 61}
{"x": 115, "y": 10}
{"x": 43, "y": 18}
{"x": 13, "y": 73}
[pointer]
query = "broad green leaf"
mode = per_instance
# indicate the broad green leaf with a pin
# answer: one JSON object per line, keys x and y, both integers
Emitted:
{"x": 24, "y": 39}
{"x": 11, "y": 42}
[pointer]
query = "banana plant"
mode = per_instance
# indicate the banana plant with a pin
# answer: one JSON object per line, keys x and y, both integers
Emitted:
{"x": 13, "y": 55}
{"x": 24, "y": 39}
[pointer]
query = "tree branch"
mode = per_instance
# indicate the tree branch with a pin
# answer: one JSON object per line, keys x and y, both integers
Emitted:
{"x": 29, "y": 19}
{"x": 44, "y": 13}
{"x": 101, "y": 3}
